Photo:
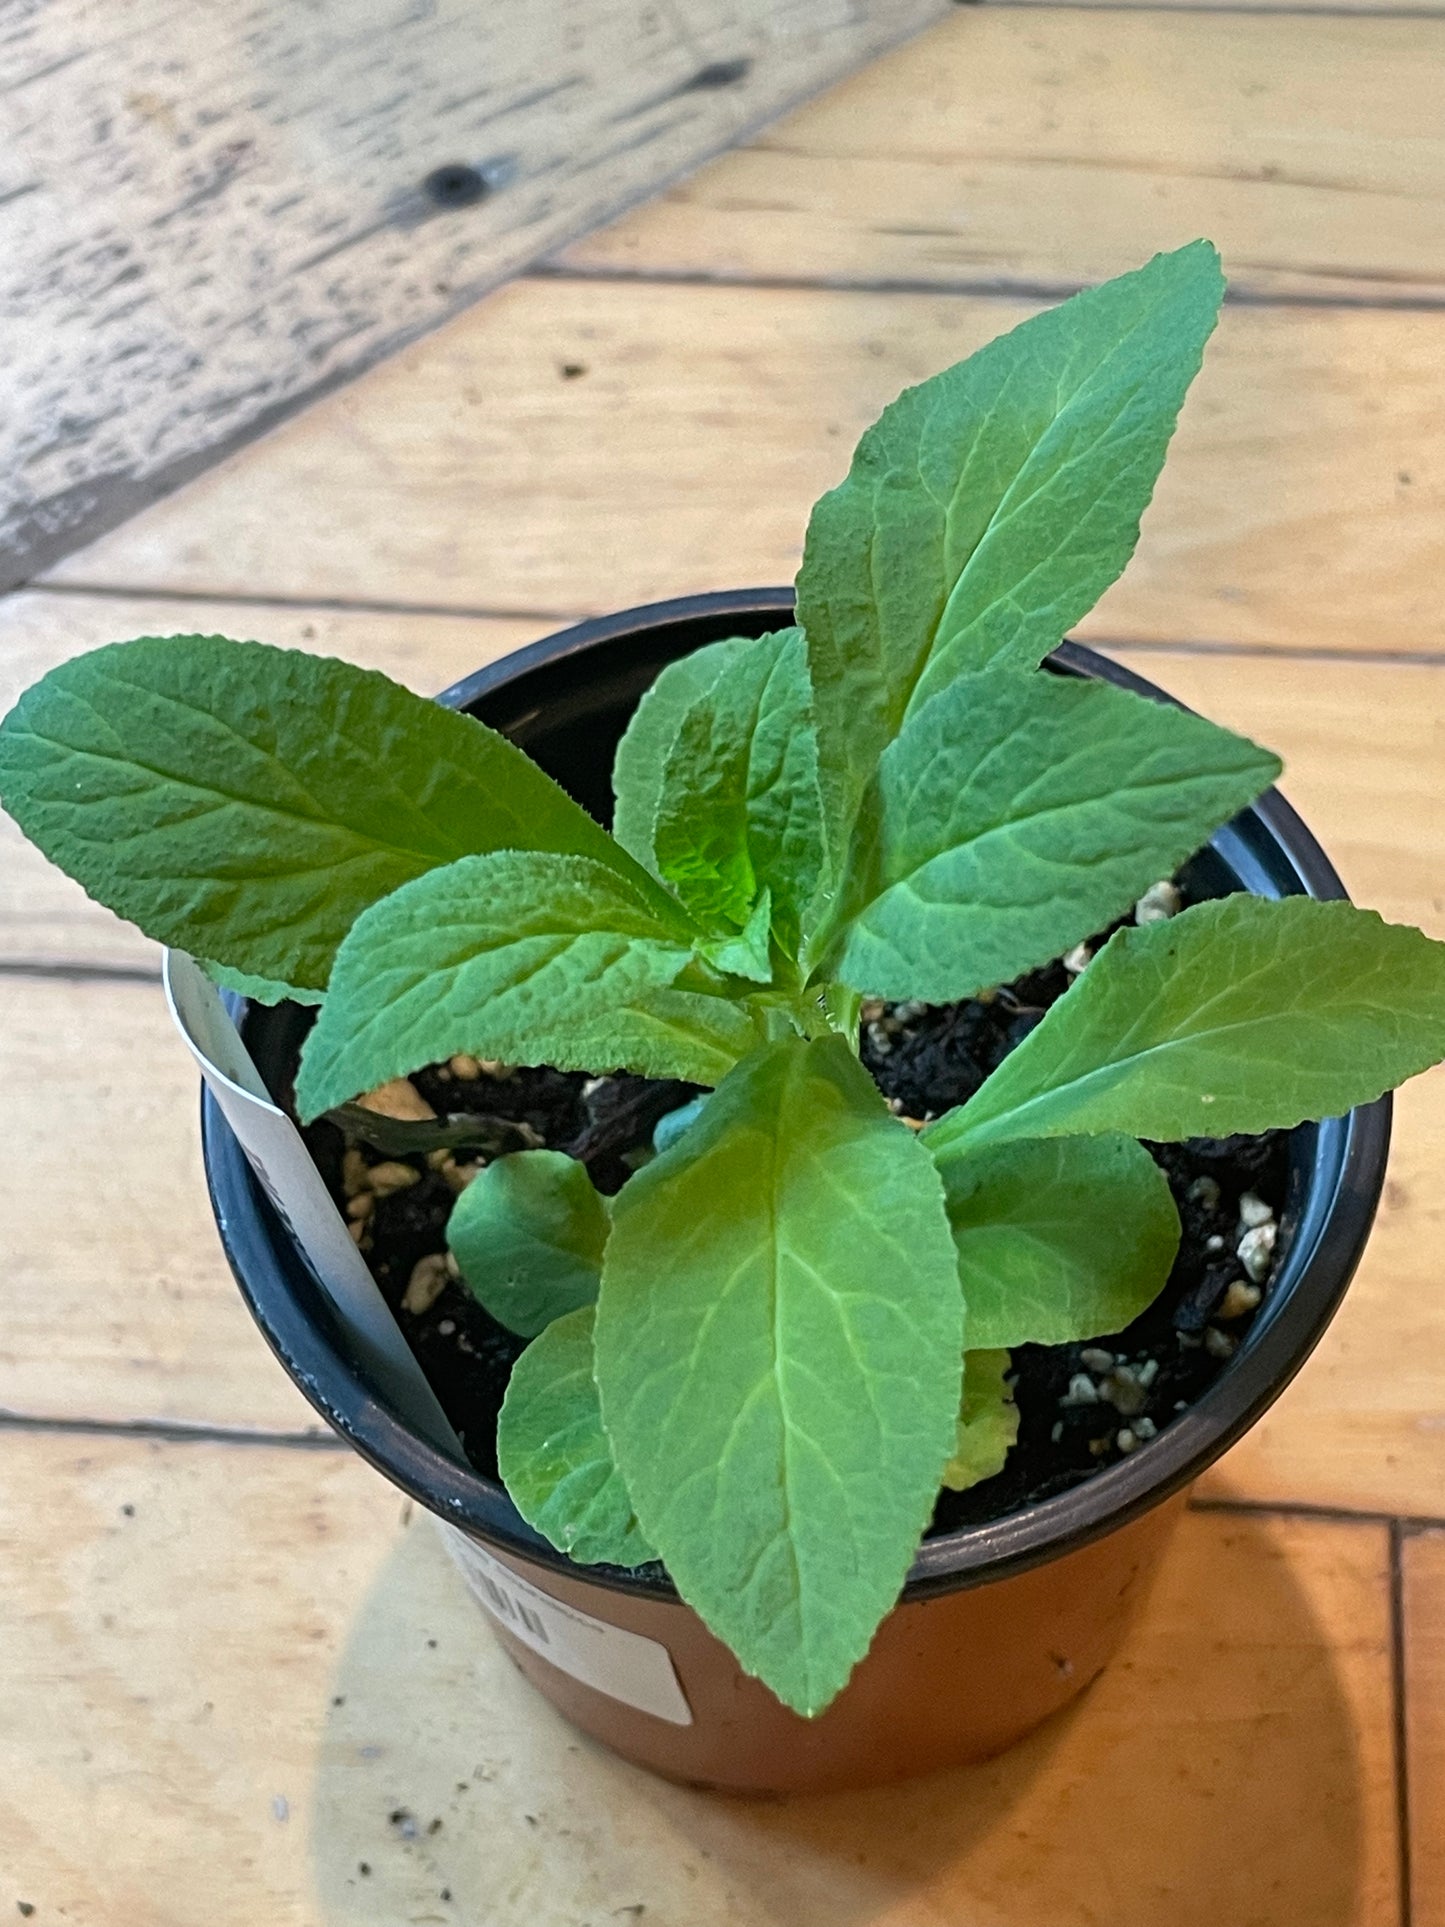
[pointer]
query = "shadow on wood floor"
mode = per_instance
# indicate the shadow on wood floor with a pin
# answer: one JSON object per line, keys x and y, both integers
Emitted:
{"x": 1215, "y": 1774}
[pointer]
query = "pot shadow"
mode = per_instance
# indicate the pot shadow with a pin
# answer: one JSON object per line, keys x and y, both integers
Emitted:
{"x": 1225, "y": 1768}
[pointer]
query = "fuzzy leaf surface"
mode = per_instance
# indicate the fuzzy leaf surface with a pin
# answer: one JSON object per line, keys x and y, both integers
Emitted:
{"x": 779, "y": 1342}
{"x": 1058, "y": 1238}
{"x": 247, "y": 803}
{"x": 989, "y": 508}
{"x": 553, "y": 1454}
{"x": 1017, "y": 813}
{"x": 531, "y": 958}
{"x": 747, "y": 952}
{"x": 740, "y": 809}
{"x": 1238, "y": 1015}
{"x": 528, "y": 1233}
{"x": 260, "y": 990}
{"x": 988, "y": 1421}
{"x": 641, "y": 760}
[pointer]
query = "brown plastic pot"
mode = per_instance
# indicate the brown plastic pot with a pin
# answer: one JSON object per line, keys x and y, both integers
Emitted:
{"x": 951, "y": 1676}
{"x": 999, "y": 1624}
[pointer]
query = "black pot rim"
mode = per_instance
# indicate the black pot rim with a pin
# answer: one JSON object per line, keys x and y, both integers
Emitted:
{"x": 1347, "y": 1172}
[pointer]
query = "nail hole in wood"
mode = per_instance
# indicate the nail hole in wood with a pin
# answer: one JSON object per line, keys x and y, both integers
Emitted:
{"x": 455, "y": 185}
{"x": 721, "y": 73}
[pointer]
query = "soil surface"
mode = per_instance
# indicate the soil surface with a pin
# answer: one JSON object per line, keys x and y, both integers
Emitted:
{"x": 1081, "y": 1406}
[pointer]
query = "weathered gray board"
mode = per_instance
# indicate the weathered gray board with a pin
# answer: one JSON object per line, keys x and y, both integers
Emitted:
{"x": 213, "y": 211}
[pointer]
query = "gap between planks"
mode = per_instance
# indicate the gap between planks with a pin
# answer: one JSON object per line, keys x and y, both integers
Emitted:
{"x": 172, "y": 1432}
{"x": 181, "y": 1432}
{"x": 1400, "y": 1725}
{"x": 259, "y": 599}
{"x": 1287, "y": 516}
{"x": 985, "y": 288}
{"x": 564, "y": 619}
{"x": 78, "y": 971}
{"x": 1359, "y": 16}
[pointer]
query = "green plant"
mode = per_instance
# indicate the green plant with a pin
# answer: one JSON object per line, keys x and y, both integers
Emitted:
{"x": 759, "y": 1360}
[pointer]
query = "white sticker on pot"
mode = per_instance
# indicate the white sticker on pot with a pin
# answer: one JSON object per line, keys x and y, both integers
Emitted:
{"x": 626, "y": 1666}
{"x": 283, "y": 1166}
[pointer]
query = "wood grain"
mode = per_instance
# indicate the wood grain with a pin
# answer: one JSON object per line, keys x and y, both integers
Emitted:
{"x": 150, "y": 1778}
{"x": 47, "y": 919}
{"x": 1363, "y": 747}
{"x": 1364, "y": 1424}
{"x": 210, "y": 215}
{"x": 1053, "y": 148}
{"x": 1304, "y": 505}
{"x": 115, "y": 1300}
{"x": 1423, "y": 1576}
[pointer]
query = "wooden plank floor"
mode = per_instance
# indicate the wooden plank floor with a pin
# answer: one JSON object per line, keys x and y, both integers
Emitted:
{"x": 283, "y": 1746}
{"x": 212, "y": 215}
{"x": 212, "y": 1702}
{"x": 1060, "y": 147}
{"x": 1420, "y": 1559}
{"x": 1304, "y": 507}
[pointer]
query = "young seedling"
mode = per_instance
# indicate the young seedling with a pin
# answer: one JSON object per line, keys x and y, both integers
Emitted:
{"x": 760, "y": 1359}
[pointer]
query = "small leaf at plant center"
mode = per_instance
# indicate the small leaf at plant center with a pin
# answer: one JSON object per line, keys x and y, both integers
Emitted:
{"x": 637, "y": 773}
{"x": 748, "y": 953}
{"x": 740, "y": 809}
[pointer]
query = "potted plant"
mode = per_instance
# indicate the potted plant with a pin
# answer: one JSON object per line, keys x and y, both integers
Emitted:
{"x": 795, "y": 1142}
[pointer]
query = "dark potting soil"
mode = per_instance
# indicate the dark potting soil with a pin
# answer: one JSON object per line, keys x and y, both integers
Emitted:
{"x": 1081, "y": 1406}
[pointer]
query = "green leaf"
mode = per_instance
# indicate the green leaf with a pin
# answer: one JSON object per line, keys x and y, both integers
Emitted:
{"x": 740, "y": 806}
{"x": 989, "y": 508}
{"x": 1018, "y": 813}
{"x": 531, "y": 958}
{"x": 988, "y": 1421}
{"x": 528, "y": 1233}
{"x": 795, "y": 846}
{"x": 748, "y": 952}
{"x": 260, "y": 990}
{"x": 779, "y": 1342}
{"x": 554, "y": 1456}
{"x": 247, "y": 803}
{"x": 1058, "y": 1238}
{"x": 637, "y": 771}
{"x": 1237, "y": 1015}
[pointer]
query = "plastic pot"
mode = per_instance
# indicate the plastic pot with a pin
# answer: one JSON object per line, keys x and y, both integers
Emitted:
{"x": 999, "y": 1624}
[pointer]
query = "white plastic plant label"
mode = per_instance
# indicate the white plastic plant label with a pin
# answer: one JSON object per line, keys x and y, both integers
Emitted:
{"x": 626, "y": 1666}
{"x": 294, "y": 1185}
